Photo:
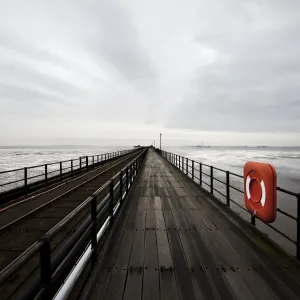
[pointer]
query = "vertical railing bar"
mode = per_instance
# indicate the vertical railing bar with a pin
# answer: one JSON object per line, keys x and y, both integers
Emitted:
{"x": 111, "y": 203}
{"x": 211, "y": 179}
{"x": 60, "y": 170}
{"x": 94, "y": 229}
{"x": 46, "y": 174}
{"x": 45, "y": 266}
{"x": 298, "y": 227}
{"x": 228, "y": 188}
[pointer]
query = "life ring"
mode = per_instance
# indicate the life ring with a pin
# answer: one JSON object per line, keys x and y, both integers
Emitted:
{"x": 260, "y": 190}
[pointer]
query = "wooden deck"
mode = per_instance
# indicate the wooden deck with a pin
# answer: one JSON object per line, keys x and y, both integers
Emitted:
{"x": 174, "y": 241}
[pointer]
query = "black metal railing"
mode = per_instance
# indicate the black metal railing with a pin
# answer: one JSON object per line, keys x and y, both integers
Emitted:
{"x": 24, "y": 180}
{"x": 223, "y": 190}
{"x": 99, "y": 210}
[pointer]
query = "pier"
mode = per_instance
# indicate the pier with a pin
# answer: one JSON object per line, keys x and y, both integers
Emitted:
{"x": 142, "y": 226}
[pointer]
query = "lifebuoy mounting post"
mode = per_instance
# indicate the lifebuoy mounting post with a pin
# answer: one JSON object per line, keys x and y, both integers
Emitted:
{"x": 260, "y": 190}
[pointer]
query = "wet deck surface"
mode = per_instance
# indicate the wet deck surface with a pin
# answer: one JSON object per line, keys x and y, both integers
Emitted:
{"x": 174, "y": 241}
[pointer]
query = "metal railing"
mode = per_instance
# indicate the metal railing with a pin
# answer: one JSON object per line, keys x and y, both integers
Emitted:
{"x": 56, "y": 264}
{"x": 24, "y": 180}
{"x": 189, "y": 167}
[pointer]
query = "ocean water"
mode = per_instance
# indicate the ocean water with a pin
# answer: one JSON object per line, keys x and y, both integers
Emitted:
{"x": 285, "y": 160}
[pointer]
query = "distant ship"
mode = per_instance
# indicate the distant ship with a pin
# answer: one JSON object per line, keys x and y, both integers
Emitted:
{"x": 201, "y": 146}
{"x": 137, "y": 146}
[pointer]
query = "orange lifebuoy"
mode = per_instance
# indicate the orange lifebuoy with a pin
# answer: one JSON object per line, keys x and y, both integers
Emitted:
{"x": 260, "y": 190}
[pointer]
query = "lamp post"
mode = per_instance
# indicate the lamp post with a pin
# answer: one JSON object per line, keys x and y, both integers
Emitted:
{"x": 160, "y": 143}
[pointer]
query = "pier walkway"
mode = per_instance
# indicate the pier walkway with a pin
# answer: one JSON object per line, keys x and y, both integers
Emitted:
{"x": 173, "y": 240}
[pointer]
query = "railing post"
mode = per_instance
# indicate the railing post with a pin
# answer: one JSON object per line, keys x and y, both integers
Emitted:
{"x": 253, "y": 220}
{"x": 179, "y": 161}
{"x": 212, "y": 179}
{"x": 182, "y": 158}
{"x": 193, "y": 173}
{"x": 176, "y": 160}
{"x": 298, "y": 227}
{"x": 80, "y": 162}
{"x": 187, "y": 167}
{"x": 111, "y": 203}
{"x": 228, "y": 188}
{"x": 60, "y": 170}
{"x": 127, "y": 180}
{"x": 87, "y": 162}
{"x": 93, "y": 159}
{"x": 94, "y": 229}
{"x": 46, "y": 174}
{"x": 121, "y": 187}
{"x": 25, "y": 178}
{"x": 45, "y": 263}
{"x": 71, "y": 165}
{"x": 200, "y": 174}
{"x": 98, "y": 158}
{"x": 131, "y": 173}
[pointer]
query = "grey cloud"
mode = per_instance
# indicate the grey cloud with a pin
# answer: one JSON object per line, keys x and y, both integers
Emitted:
{"x": 255, "y": 88}
{"x": 27, "y": 76}
{"x": 113, "y": 37}
{"x": 26, "y": 96}
{"x": 13, "y": 42}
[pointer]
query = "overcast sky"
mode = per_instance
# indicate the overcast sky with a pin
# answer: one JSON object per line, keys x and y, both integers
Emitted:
{"x": 222, "y": 72}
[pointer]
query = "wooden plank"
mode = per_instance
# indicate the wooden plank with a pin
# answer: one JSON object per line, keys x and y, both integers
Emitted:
{"x": 151, "y": 274}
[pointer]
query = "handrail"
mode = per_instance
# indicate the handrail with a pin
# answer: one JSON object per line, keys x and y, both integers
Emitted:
{"x": 182, "y": 163}
{"x": 51, "y": 264}
{"x": 29, "y": 178}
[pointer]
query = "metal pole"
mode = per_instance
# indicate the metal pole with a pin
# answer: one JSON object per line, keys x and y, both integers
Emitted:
{"x": 160, "y": 142}
{"x": 111, "y": 203}
{"x": 45, "y": 263}
{"x": 253, "y": 220}
{"x": 200, "y": 173}
{"x": 25, "y": 178}
{"x": 93, "y": 159}
{"x": 127, "y": 180}
{"x": 60, "y": 170}
{"x": 87, "y": 162}
{"x": 193, "y": 175}
{"x": 182, "y": 163}
{"x": 46, "y": 174}
{"x": 71, "y": 165}
{"x": 187, "y": 166}
{"x": 94, "y": 229}
{"x": 121, "y": 186}
{"x": 179, "y": 161}
{"x": 228, "y": 188}
{"x": 212, "y": 179}
{"x": 80, "y": 162}
{"x": 298, "y": 226}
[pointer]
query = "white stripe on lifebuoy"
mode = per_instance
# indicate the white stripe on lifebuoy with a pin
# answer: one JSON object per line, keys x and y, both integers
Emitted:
{"x": 263, "y": 189}
{"x": 263, "y": 194}
{"x": 248, "y": 180}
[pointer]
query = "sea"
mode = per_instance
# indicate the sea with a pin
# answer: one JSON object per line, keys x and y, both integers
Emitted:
{"x": 286, "y": 161}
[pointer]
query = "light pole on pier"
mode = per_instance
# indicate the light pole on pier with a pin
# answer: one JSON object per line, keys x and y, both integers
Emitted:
{"x": 160, "y": 143}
